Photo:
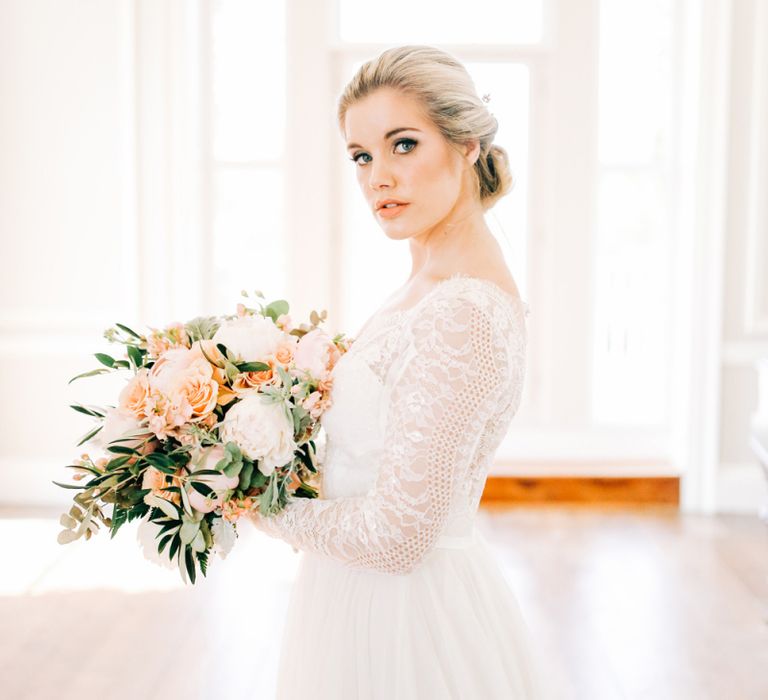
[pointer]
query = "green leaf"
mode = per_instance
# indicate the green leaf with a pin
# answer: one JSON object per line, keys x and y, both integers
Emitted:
{"x": 252, "y": 367}
{"x": 170, "y": 509}
{"x": 231, "y": 370}
{"x": 258, "y": 479}
{"x": 121, "y": 449}
{"x": 189, "y": 560}
{"x": 233, "y": 468}
{"x": 89, "y": 435}
{"x": 128, "y": 330}
{"x": 119, "y": 517}
{"x": 163, "y": 542}
{"x": 107, "y": 360}
{"x": 245, "y": 476}
{"x": 276, "y": 308}
{"x": 174, "y": 546}
{"x": 198, "y": 544}
{"x": 93, "y": 372}
{"x": 206, "y": 530}
{"x": 135, "y": 355}
{"x": 69, "y": 486}
{"x": 188, "y": 531}
{"x": 87, "y": 411}
{"x": 117, "y": 462}
{"x": 201, "y": 487}
{"x": 158, "y": 459}
{"x": 234, "y": 449}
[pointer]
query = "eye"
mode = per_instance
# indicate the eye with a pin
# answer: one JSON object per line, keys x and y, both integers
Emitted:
{"x": 410, "y": 142}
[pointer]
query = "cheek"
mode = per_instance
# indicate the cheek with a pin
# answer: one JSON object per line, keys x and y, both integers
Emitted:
{"x": 435, "y": 182}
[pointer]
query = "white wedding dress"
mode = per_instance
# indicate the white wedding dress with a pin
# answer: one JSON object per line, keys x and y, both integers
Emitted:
{"x": 397, "y": 595}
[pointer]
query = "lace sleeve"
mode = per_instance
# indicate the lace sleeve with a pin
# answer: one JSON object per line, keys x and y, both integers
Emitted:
{"x": 446, "y": 387}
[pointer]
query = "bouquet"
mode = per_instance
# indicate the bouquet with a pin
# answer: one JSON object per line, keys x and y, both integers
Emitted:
{"x": 220, "y": 415}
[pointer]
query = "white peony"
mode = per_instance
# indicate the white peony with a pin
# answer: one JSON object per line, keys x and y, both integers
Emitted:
{"x": 118, "y": 424}
{"x": 250, "y": 338}
{"x": 224, "y": 536}
{"x": 263, "y": 429}
{"x": 145, "y": 535}
{"x": 316, "y": 353}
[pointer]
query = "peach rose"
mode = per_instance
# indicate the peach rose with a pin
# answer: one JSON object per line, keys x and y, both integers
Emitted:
{"x": 285, "y": 352}
{"x": 166, "y": 414}
{"x": 184, "y": 379}
{"x": 160, "y": 341}
{"x": 134, "y": 394}
{"x": 249, "y": 382}
{"x": 157, "y": 481}
{"x": 233, "y": 509}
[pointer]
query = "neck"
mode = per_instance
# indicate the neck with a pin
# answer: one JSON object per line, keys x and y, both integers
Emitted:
{"x": 441, "y": 249}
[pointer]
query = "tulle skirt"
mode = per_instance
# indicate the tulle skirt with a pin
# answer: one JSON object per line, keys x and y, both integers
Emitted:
{"x": 451, "y": 628}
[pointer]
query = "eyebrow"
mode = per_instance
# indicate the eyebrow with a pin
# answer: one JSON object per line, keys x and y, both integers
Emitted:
{"x": 387, "y": 135}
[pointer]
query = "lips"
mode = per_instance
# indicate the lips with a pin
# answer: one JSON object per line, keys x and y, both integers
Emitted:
{"x": 381, "y": 204}
{"x": 391, "y": 212}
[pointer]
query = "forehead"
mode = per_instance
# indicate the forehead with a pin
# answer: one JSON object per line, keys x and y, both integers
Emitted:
{"x": 368, "y": 120}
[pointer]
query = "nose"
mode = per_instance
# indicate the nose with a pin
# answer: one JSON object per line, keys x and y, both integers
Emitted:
{"x": 379, "y": 175}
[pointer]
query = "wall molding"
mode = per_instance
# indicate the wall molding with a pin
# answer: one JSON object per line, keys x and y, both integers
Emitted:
{"x": 756, "y": 285}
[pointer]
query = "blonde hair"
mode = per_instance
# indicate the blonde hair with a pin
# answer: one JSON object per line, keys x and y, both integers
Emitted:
{"x": 447, "y": 93}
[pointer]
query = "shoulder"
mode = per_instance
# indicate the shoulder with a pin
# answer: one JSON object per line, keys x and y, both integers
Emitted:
{"x": 468, "y": 295}
{"x": 467, "y": 308}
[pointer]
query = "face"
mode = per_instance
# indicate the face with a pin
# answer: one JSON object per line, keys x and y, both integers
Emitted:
{"x": 398, "y": 153}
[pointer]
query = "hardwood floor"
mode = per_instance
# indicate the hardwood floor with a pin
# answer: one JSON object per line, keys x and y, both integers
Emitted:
{"x": 623, "y": 602}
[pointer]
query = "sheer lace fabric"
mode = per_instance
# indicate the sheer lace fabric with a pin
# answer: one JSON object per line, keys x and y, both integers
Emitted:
{"x": 445, "y": 379}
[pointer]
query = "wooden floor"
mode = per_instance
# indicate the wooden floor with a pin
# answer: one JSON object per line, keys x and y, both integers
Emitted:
{"x": 623, "y": 603}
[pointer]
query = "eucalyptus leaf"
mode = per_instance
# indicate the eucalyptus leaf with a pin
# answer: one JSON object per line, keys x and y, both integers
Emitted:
{"x": 67, "y": 536}
{"x": 170, "y": 509}
{"x": 198, "y": 543}
{"x": 67, "y": 521}
{"x": 107, "y": 360}
{"x": 245, "y": 476}
{"x": 188, "y": 531}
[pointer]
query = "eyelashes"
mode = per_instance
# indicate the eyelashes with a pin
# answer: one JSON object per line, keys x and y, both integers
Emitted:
{"x": 356, "y": 157}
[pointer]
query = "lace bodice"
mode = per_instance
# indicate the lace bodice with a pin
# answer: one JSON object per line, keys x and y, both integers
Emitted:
{"x": 421, "y": 401}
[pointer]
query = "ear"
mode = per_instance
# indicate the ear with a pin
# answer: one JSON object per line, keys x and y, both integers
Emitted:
{"x": 472, "y": 151}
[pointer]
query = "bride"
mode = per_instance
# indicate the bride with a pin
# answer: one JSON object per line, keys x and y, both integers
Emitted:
{"x": 397, "y": 595}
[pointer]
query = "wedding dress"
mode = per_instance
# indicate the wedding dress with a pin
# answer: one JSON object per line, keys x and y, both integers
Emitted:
{"x": 397, "y": 595}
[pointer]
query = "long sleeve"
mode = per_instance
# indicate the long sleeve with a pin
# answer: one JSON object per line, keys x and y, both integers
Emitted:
{"x": 441, "y": 394}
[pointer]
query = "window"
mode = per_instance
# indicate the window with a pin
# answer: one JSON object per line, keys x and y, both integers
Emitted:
{"x": 247, "y": 135}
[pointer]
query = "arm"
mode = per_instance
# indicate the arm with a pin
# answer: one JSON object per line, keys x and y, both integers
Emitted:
{"x": 442, "y": 394}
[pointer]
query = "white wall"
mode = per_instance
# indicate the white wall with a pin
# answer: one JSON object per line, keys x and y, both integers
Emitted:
{"x": 65, "y": 211}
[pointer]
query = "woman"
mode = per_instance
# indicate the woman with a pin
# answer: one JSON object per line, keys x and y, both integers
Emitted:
{"x": 396, "y": 595}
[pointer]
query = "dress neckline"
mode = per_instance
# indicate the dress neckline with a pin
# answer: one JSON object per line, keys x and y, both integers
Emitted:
{"x": 393, "y": 314}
